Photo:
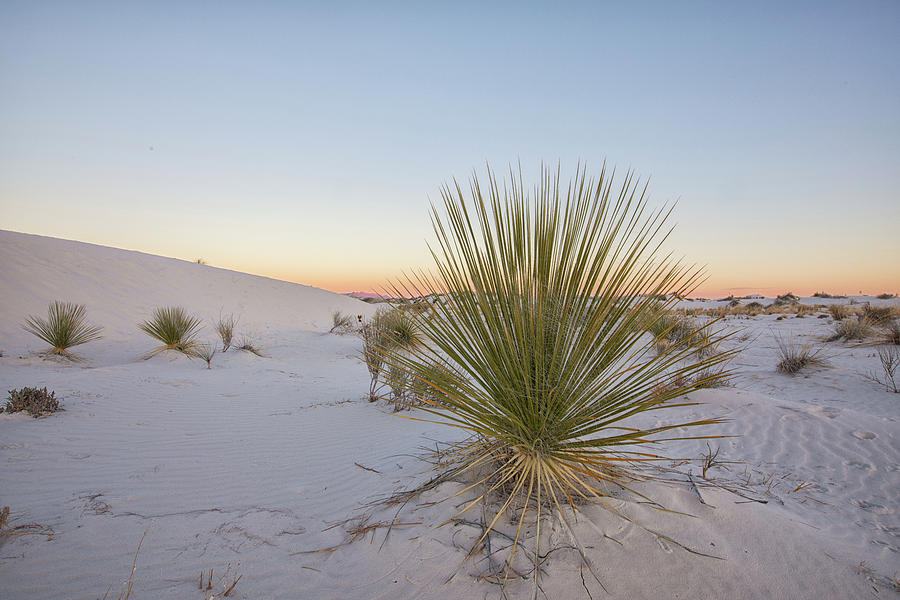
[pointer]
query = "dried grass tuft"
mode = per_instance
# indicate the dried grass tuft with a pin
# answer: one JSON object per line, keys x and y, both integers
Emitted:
{"x": 794, "y": 358}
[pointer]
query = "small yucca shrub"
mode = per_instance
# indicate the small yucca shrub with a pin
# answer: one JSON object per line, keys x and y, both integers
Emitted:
{"x": 63, "y": 328}
{"x": 537, "y": 345}
{"x": 175, "y": 328}
{"x": 34, "y": 401}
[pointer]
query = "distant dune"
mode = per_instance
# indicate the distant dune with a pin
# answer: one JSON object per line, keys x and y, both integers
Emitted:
{"x": 120, "y": 288}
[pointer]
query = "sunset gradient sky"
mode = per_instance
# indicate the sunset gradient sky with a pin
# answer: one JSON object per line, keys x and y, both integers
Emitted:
{"x": 305, "y": 141}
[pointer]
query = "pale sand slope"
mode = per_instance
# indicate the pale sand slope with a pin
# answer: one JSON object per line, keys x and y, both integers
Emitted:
{"x": 251, "y": 461}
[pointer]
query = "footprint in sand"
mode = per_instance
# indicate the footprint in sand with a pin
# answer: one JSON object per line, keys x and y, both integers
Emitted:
{"x": 859, "y": 465}
{"x": 829, "y": 412}
{"x": 878, "y": 509}
{"x": 864, "y": 435}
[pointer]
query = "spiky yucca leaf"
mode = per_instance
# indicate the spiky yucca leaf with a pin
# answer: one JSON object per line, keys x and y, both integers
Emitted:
{"x": 176, "y": 329}
{"x": 64, "y": 327}
{"x": 537, "y": 344}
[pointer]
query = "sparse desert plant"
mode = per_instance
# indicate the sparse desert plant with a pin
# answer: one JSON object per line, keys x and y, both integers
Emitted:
{"x": 401, "y": 329}
{"x": 670, "y": 327}
{"x": 891, "y": 333}
{"x": 389, "y": 330}
{"x": 64, "y": 328}
{"x": 885, "y": 296}
{"x": 225, "y": 584}
{"x": 373, "y": 353}
{"x": 35, "y": 401}
{"x": 852, "y": 328}
{"x": 537, "y": 343}
{"x": 795, "y": 357}
{"x": 176, "y": 329}
{"x": 889, "y": 357}
{"x": 206, "y": 352}
{"x": 710, "y": 460}
{"x": 341, "y": 323}
{"x": 890, "y": 360}
{"x": 878, "y": 315}
{"x": 840, "y": 312}
{"x": 247, "y": 345}
{"x": 225, "y": 329}
{"x": 754, "y": 308}
{"x": 802, "y": 310}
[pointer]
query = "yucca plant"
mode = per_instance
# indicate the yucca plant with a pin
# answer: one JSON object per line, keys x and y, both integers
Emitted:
{"x": 175, "y": 328}
{"x": 64, "y": 328}
{"x": 537, "y": 345}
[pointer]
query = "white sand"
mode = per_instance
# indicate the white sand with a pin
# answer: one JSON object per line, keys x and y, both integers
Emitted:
{"x": 252, "y": 461}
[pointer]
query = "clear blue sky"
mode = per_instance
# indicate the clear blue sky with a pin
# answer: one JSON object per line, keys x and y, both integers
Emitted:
{"x": 304, "y": 141}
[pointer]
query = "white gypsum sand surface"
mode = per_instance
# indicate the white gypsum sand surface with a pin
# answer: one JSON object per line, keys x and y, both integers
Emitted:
{"x": 255, "y": 460}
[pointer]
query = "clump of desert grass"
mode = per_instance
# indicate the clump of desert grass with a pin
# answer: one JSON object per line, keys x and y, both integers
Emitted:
{"x": 878, "y": 316}
{"x": 389, "y": 330}
{"x": 794, "y": 357}
{"x": 225, "y": 329}
{"x": 37, "y": 402}
{"x": 175, "y": 328}
{"x": 891, "y": 333}
{"x": 64, "y": 328}
{"x": 852, "y": 328}
{"x": 248, "y": 345}
{"x": 340, "y": 322}
{"x": 885, "y": 296}
{"x": 839, "y": 312}
{"x": 537, "y": 345}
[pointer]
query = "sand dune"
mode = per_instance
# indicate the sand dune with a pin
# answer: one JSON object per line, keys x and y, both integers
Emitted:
{"x": 255, "y": 460}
